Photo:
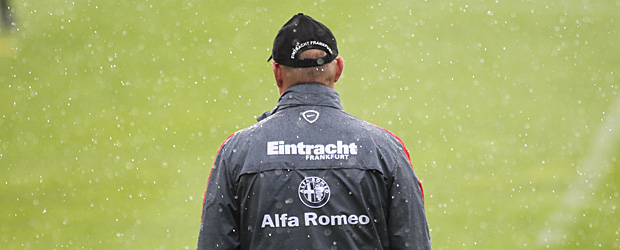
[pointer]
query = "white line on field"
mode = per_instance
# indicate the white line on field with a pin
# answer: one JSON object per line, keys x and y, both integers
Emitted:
{"x": 592, "y": 168}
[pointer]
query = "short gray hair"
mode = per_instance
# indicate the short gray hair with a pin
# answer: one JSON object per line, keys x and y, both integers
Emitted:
{"x": 323, "y": 74}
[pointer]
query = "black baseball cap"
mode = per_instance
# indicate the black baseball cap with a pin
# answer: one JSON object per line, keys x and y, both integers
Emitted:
{"x": 299, "y": 34}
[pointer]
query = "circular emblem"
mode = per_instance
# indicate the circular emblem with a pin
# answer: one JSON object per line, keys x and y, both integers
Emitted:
{"x": 314, "y": 192}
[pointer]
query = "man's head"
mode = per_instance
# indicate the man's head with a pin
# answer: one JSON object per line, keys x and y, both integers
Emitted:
{"x": 305, "y": 51}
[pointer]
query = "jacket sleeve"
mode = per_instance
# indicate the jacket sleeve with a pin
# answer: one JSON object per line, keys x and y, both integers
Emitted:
{"x": 219, "y": 226}
{"x": 407, "y": 224}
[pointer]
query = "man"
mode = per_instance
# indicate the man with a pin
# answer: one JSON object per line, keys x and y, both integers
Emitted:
{"x": 308, "y": 175}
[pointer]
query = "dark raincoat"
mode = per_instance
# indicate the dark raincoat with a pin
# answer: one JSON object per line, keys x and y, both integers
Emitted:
{"x": 310, "y": 176}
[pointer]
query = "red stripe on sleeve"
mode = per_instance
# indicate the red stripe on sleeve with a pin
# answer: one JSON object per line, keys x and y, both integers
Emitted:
{"x": 408, "y": 157}
{"x": 204, "y": 196}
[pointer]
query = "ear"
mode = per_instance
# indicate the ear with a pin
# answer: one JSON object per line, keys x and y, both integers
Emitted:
{"x": 277, "y": 74}
{"x": 339, "y": 68}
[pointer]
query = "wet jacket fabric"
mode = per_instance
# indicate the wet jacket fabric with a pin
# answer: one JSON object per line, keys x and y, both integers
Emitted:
{"x": 311, "y": 176}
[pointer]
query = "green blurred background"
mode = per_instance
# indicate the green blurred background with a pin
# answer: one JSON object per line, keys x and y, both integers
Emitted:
{"x": 111, "y": 113}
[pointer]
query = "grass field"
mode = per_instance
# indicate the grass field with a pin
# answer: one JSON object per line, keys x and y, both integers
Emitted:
{"x": 111, "y": 113}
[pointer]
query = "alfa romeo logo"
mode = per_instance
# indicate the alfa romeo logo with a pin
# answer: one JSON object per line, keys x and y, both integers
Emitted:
{"x": 314, "y": 192}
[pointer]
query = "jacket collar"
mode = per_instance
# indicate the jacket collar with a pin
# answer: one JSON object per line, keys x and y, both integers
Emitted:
{"x": 306, "y": 94}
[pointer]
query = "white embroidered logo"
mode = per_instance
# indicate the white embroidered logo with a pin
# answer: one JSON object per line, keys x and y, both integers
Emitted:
{"x": 308, "y": 43}
{"x": 313, "y": 152}
{"x": 310, "y": 115}
{"x": 314, "y": 192}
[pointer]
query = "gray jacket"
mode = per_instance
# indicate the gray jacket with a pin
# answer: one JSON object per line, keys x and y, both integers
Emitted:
{"x": 311, "y": 176}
